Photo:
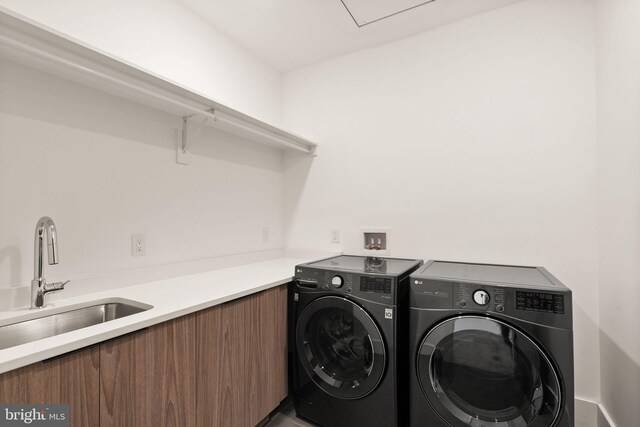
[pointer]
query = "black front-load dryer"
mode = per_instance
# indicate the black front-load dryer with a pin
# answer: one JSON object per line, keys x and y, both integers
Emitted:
{"x": 490, "y": 345}
{"x": 346, "y": 343}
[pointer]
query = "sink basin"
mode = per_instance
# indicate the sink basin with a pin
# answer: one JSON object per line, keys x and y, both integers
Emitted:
{"x": 76, "y": 317}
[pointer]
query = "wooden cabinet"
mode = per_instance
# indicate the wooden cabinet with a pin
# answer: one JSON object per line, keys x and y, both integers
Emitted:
{"x": 70, "y": 379}
{"x": 221, "y": 369}
{"x": 148, "y": 378}
{"x": 241, "y": 360}
{"x": 223, "y": 366}
{"x": 266, "y": 353}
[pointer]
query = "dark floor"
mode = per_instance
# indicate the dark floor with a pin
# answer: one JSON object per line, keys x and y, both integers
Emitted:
{"x": 286, "y": 418}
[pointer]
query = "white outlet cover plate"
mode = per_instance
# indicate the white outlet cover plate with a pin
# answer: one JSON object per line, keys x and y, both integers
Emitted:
{"x": 138, "y": 240}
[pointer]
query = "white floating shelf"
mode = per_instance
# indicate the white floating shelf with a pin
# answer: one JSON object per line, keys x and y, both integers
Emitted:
{"x": 32, "y": 45}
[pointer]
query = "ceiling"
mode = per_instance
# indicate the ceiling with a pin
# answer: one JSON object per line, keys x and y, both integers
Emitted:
{"x": 289, "y": 34}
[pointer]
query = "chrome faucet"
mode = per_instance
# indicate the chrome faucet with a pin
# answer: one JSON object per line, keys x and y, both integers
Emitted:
{"x": 39, "y": 286}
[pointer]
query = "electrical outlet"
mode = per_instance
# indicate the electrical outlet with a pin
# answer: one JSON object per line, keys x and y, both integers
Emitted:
{"x": 138, "y": 245}
{"x": 335, "y": 236}
{"x": 265, "y": 235}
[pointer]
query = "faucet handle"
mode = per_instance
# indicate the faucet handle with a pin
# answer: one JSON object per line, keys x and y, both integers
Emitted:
{"x": 60, "y": 285}
{"x": 56, "y": 286}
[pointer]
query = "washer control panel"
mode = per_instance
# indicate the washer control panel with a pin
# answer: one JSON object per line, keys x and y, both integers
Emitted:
{"x": 337, "y": 281}
{"x": 481, "y": 297}
{"x": 373, "y": 287}
{"x": 379, "y": 285}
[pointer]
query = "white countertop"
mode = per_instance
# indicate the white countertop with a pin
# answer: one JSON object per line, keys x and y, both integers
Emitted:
{"x": 170, "y": 298}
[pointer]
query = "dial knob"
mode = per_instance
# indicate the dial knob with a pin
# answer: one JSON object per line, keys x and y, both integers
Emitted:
{"x": 481, "y": 297}
{"x": 337, "y": 281}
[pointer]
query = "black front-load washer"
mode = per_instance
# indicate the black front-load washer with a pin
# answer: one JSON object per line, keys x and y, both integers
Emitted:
{"x": 345, "y": 343}
{"x": 490, "y": 345}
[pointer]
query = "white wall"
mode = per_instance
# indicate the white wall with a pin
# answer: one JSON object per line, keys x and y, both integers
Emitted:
{"x": 475, "y": 141}
{"x": 170, "y": 40}
{"x": 619, "y": 207}
{"x": 104, "y": 169}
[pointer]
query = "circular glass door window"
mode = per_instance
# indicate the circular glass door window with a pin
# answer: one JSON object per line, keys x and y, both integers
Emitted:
{"x": 341, "y": 347}
{"x": 480, "y": 371}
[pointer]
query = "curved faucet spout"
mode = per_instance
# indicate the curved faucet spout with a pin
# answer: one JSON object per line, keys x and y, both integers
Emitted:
{"x": 45, "y": 226}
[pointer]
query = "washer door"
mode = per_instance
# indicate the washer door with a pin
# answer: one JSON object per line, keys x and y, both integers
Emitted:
{"x": 479, "y": 371}
{"x": 340, "y": 347}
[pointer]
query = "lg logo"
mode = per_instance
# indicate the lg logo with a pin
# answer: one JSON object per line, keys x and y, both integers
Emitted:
{"x": 418, "y": 282}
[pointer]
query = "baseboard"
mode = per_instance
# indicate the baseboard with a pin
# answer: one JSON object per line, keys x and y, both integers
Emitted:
{"x": 591, "y": 414}
{"x": 604, "y": 420}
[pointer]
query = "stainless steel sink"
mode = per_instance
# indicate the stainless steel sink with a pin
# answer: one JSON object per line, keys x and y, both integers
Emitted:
{"x": 72, "y": 318}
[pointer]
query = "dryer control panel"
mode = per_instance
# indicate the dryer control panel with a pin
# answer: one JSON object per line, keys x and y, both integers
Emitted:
{"x": 540, "y": 301}
{"x": 552, "y": 308}
{"x": 526, "y": 293}
{"x": 479, "y": 297}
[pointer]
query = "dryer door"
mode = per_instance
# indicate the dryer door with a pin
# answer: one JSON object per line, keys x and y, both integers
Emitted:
{"x": 340, "y": 347}
{"x": 478, "y": 371}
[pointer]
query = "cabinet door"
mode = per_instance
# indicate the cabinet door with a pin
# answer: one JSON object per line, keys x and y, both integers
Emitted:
{"x": 71, "y": 380}
{"x": 241, "y": 360}
{"x": 266, "y": 353}
{"x": 221, "y": 369}
{"x": 148, "y": 378}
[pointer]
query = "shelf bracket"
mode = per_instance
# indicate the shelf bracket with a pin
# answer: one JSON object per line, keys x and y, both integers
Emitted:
{"x": 182, "y": 145}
